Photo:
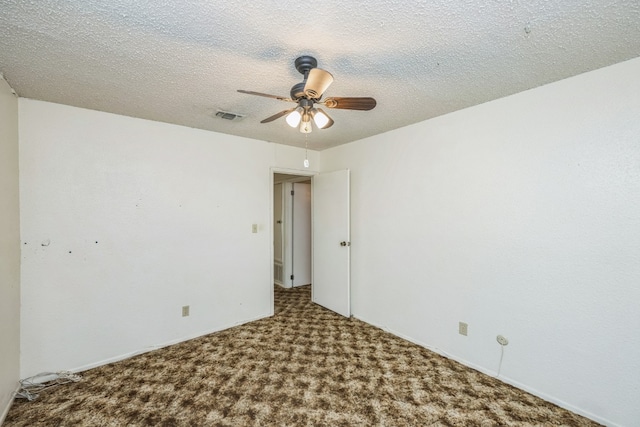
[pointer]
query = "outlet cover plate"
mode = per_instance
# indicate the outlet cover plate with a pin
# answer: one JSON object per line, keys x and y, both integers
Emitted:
{"x": 462, "y": 328}
{"x": 502, "y": 340}
{"x": 185, "y": 310}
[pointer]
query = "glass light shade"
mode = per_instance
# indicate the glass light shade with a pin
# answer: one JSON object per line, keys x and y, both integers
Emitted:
{"x": 305, "y": 127}
{"x": 320, "y": 118}
{"x": 293, "y": 119}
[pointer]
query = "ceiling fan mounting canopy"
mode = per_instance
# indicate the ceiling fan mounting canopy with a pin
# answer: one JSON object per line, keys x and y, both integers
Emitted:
{"x": 305, "y": 63}
{"x": 309, "y": 92}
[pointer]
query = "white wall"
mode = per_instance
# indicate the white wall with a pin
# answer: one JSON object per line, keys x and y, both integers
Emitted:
{"x": 9, "y": 249}
{"x": 520, "y": 217}
{"x": 124, "y": 221}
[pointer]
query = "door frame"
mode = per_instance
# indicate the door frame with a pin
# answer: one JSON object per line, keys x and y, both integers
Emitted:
{"x": 272, "y": 171}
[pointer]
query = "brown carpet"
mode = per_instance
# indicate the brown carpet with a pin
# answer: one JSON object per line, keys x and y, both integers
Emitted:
{"x": 305, "y": 366}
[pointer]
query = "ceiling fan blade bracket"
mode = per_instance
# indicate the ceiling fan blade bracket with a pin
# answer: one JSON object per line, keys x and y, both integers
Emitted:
{"x": 350, "y": 103}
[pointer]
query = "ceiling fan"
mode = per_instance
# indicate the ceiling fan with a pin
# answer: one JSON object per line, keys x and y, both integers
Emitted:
{"x": 308, "y": 93}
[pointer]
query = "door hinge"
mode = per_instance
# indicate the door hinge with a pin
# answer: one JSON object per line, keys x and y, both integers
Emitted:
{"x": 292, "y": 192}
{"x": 292, "y": 277}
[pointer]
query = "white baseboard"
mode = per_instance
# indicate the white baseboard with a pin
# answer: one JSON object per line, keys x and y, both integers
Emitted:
{"x": 161, "y": 345}
{"x": 492, "y": 373}
{"x": 8, "y": 405}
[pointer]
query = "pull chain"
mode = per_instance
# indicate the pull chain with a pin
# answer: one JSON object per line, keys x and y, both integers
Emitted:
{"x": 306, "y": 150}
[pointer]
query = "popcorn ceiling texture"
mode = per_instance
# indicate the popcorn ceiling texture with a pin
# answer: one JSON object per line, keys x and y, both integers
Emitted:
{"x": 180, "y": 62}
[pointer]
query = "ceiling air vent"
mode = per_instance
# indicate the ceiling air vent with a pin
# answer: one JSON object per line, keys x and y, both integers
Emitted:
{"x": 228, "y": 116}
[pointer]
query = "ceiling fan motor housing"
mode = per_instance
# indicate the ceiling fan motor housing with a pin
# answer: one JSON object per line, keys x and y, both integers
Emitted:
{"x": 297, "y": 91}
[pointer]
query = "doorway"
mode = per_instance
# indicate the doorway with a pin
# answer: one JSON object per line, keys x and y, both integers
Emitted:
{"x": 291, "y": 230}
{"x": 330, "y": 236}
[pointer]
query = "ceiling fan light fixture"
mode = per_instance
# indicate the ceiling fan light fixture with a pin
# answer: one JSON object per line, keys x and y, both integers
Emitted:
{"x": 293, "y": 118}
{"x": 305, "y": 125}
{"x": 320, "y": 118}
{"x": 310, "y": 92}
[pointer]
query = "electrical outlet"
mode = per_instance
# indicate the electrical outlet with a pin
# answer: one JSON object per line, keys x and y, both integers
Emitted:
{"x": 462, "y": 328}
{"x": 502, "y": 340}
{"x": 185, "y": 310}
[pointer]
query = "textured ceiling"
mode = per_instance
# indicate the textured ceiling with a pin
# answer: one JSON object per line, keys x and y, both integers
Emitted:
{"x": 182, "y": 61}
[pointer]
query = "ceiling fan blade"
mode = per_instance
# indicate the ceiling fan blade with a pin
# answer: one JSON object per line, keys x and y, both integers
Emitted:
{"x": 266, "y": 95}
{"x": 330, "y": 123}
{"x": 317, "y": 82}
{"x": 277, "y": 115}
{"x": 364, "y": 104}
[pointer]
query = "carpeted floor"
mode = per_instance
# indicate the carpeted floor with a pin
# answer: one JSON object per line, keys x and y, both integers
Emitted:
{"x": 305, "y": 366}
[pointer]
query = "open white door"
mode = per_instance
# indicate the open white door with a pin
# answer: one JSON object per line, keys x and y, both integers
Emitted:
{"x": 331, "y": 245}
